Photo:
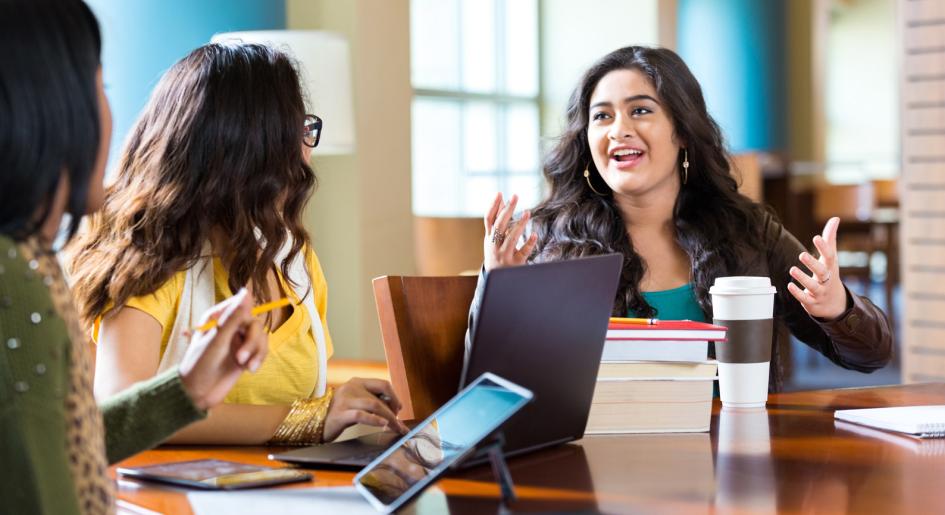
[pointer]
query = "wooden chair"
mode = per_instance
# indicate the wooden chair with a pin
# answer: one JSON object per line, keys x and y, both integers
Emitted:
{"x": 448, "y": 246}
{"x": 423, "y": 326}
{"x": 748, "y": 172}
{"x": 887, "y": 199}
{"x": 886, "y": 192}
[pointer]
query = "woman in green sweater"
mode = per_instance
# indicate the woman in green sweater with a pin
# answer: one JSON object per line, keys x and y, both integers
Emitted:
{"x": 55, "y": 442}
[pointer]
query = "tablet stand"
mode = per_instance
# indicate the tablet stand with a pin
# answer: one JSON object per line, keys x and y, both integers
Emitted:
{"x": 500, "y": 469}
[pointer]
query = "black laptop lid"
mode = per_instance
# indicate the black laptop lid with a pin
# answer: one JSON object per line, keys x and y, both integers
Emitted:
{"x": 543, "y": 326}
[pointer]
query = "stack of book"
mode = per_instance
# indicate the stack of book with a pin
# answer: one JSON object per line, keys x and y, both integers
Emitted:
{"x": 655, "y": 378}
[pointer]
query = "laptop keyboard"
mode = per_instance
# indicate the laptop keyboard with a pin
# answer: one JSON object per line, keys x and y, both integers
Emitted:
{"x": 364, "y": 457}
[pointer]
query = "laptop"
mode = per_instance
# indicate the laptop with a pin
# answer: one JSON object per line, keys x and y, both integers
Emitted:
{"x": 541, "y": 326}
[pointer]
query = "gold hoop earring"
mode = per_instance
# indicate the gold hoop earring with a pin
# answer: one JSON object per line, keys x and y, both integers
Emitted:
{"x": 685, "y": 166}
{"x": 587, "y": 177}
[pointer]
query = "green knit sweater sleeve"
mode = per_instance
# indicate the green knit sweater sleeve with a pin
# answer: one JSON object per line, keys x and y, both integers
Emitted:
{"x": 145, "y": 414}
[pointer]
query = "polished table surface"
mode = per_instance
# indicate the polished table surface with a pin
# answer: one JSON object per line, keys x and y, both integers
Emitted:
{"x": 789, "y": 457}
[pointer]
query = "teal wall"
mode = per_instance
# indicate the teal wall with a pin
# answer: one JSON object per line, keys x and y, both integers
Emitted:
{"x": 736, "y": 49}
{"x": 143, "y": 38}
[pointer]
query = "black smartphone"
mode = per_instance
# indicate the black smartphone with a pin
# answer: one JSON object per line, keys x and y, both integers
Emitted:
{"x": 216, "y": 474}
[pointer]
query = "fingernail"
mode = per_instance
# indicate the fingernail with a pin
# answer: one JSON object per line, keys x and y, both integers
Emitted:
{"x": 242, "y": 356}
{"x": 254, "y": 366}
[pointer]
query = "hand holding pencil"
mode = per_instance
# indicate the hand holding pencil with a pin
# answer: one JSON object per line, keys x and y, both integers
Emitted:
{"x": 218, "y": 356}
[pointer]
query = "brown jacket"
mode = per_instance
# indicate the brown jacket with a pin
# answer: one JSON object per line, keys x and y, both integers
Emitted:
{"x": 859, "y": 339}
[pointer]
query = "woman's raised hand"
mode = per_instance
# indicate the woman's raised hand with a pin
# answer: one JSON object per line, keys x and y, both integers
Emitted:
{"x": 824, "y": 295}
{"x": 500, "y": 246}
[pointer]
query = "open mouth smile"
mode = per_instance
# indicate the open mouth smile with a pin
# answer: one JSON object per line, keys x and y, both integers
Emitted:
{"x": 626, "y": 157}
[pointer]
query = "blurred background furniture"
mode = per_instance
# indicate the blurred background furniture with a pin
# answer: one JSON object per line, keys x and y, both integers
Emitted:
{"x": 448, "y": 245}
{"x": 747, "y": 170}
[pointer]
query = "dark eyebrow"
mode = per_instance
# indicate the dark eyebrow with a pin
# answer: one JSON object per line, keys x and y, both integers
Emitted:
{"x": 628, "y": 100}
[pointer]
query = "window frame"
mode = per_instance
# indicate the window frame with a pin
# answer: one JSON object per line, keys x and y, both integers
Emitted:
{"x": 499, "y": 100}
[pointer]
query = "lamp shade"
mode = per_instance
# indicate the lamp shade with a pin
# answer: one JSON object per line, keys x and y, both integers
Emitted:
{"x": 325, "y": 72}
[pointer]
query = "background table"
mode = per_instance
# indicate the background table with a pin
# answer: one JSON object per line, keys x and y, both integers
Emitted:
{"x": 790, "y": 457}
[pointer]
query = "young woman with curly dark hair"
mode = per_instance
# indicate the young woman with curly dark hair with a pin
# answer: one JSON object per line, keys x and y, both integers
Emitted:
{"x": 642, "y": 170}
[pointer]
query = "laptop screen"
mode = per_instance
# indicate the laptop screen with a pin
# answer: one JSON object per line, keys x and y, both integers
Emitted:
{"x": 543, "y": 326}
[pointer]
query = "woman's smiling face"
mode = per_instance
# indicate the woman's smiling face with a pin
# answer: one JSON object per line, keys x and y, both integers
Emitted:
{"x": 631, "y": 135}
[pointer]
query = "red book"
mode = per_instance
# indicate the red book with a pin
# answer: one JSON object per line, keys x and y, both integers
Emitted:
{"x": 666, "y": 330}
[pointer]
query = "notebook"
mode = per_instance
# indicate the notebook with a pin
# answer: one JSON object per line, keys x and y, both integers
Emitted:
{"x": 666, "y": 330}
{"x": 655, "y": 350}
{"x": 923, "y": 447}
{"x": 920, "y": 421}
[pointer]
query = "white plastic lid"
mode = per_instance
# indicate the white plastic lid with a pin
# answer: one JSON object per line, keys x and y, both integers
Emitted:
{"x": 742, "y": 285}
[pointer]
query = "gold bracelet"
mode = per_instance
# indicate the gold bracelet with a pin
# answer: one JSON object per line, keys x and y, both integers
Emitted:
{"x": 305, "y": 423}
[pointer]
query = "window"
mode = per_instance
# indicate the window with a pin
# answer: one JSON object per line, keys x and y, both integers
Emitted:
{"x": 474, "y": 69}
{"x": 862, "y": 97}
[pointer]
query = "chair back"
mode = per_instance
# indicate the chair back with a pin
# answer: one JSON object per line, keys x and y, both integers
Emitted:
{"x": 746, "y": 168}
{"x": 851, "y": 202}
{"x": 423, "y": 326}
{"x": 447, "y": 246}
{"x": 886, "y": 192}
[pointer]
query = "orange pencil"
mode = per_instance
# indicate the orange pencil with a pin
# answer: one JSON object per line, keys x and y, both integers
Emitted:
{"x": 258, "y": 310}
{"x": 640, "y": 321}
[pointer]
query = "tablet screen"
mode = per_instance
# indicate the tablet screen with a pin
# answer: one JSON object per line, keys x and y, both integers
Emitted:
{"x": 430, "y": 448}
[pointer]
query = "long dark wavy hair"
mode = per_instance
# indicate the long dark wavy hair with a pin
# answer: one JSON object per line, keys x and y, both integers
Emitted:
{"x": 218, "y": 147}
{"x": 49, "y": 112}
{"x": 714, "y": 222}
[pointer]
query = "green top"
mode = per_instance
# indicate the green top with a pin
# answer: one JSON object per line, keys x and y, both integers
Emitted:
{"x": 33, "y": 448}
{"x": 676, "y": 304}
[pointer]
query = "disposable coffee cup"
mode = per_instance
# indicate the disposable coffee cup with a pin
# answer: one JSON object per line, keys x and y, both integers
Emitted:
{"x": 744, "y": 305}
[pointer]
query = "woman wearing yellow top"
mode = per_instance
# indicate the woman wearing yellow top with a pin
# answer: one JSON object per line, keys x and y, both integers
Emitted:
{"x": 208, "y": 198}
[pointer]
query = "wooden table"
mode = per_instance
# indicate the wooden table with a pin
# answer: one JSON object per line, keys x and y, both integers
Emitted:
{"x": 791, "y": 457}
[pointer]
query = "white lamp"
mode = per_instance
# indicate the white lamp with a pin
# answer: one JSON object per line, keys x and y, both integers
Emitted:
{"x": 326, "y": 76}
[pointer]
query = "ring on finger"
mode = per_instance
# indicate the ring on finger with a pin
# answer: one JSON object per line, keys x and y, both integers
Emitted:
{"x": 498, "y": 237}
{"x": 825, "y": 279}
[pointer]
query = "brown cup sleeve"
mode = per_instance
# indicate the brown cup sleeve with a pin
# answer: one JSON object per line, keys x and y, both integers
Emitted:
{"x": 747, "y": 341}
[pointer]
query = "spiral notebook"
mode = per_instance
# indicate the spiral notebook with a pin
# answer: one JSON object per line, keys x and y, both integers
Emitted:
{"x": 922, "y": 447}
{"x": 919, "y": 421}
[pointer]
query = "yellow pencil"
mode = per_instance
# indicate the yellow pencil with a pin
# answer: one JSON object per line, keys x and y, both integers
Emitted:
{"x": 258, "y": 310}
{"x": 640, "y": 321}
